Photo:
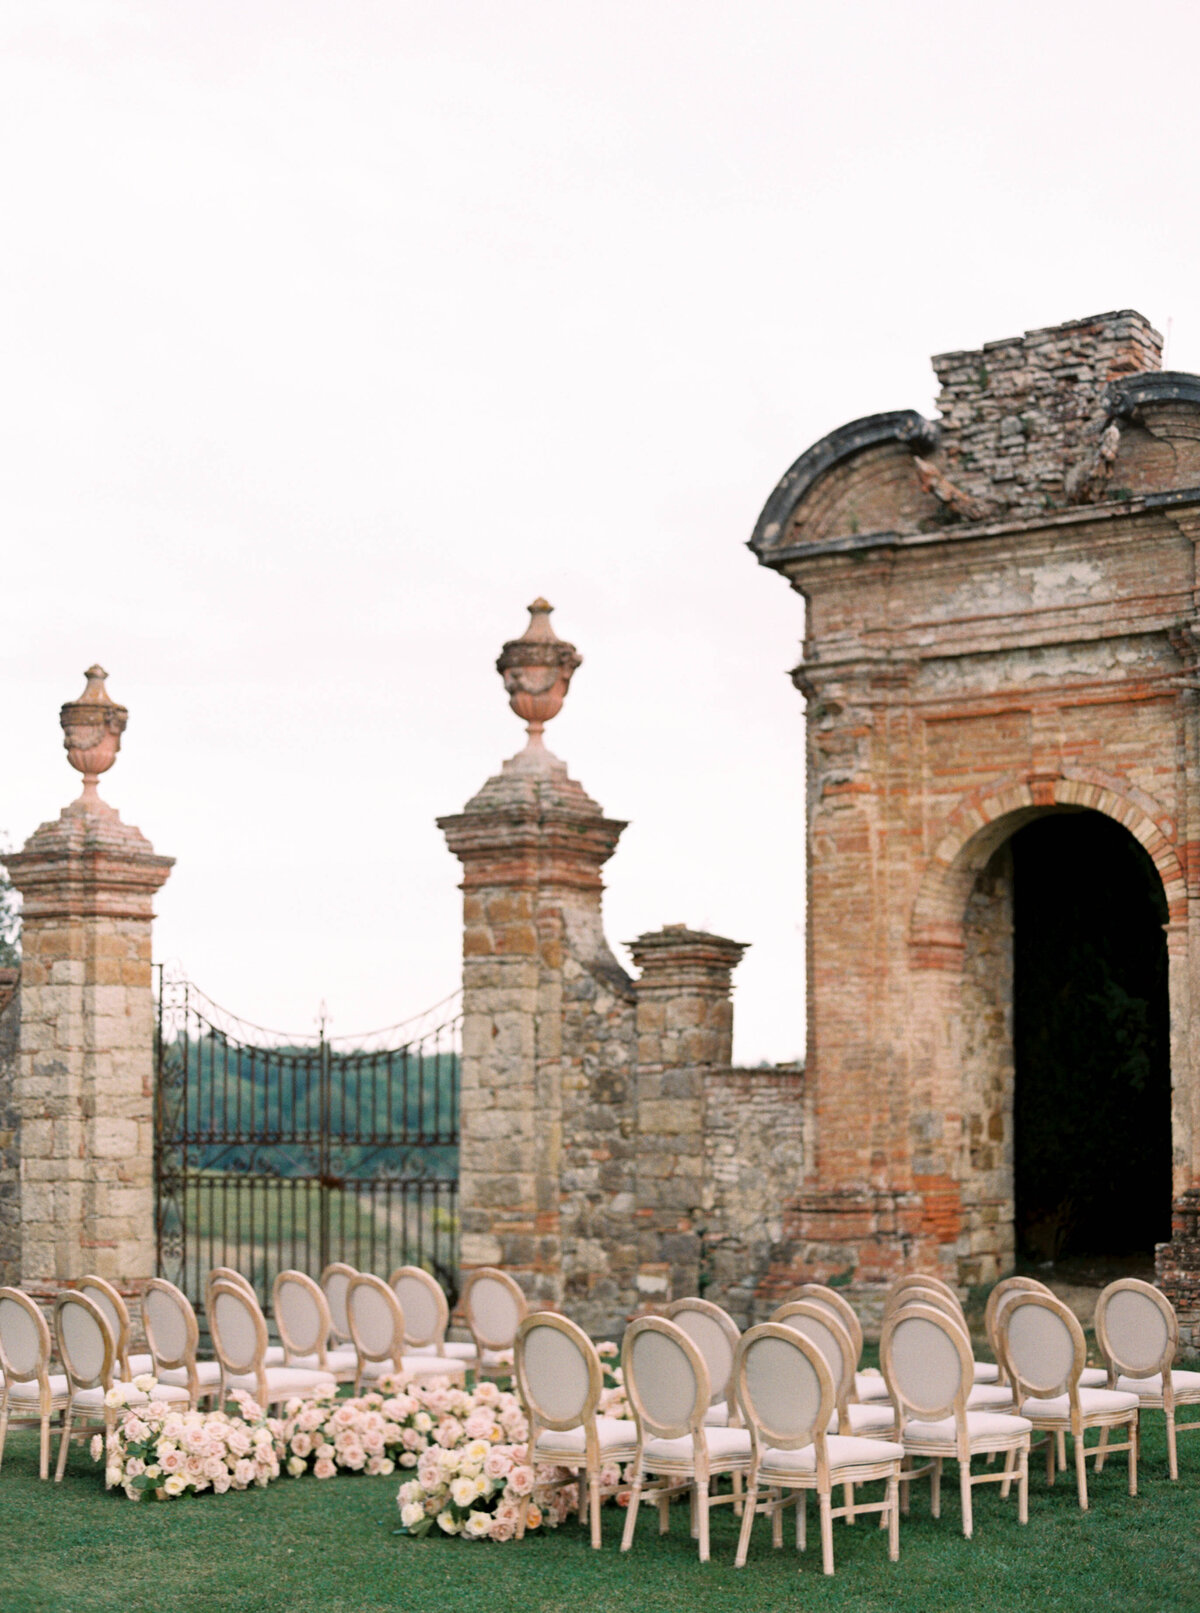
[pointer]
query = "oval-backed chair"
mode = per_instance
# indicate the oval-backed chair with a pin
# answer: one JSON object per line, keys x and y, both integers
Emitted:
{"x": 927, "y": 1362}
{"x": 427, "y": 1316}
{"x": 305, "y": 1325}
{"x": 667, "y": 1385}
{"x": 173, "y": 1335}
{"x": 239, "y": 1333}
{"x": 786, "y": 1391}
{"x": 376, "y": 1321}
{"x": 29, "y": 1393}
{"x": 1138, "y": 1332}
{"x": 116, "y": 1313}
{"x": 494, "y": 1308}
{"x": 559, "y": 1380}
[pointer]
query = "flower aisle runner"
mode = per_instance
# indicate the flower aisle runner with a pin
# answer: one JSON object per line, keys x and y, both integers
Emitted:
{"x": 156, "y": 1453}
{"x": 466, "y": 1451}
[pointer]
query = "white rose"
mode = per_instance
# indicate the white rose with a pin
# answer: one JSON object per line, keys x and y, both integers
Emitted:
{"x": 411, "y": 1514}
{"x": 478, "y": 1526}
{"x": 115, "y": 1397}
{"x": 174, "y": 1484}
{"x": 145, "y": 1383}
{"x": 449, "y": 1524}
{"x": 462, "y": 1492}
{"x": 296, "y": 1466}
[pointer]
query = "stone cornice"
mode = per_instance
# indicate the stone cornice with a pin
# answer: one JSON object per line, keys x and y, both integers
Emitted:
{"x": 676, "y": 959}
{"x": 87, "y": 864}
{"x": 966, "y": 532}
{"x": 904, "y": 426}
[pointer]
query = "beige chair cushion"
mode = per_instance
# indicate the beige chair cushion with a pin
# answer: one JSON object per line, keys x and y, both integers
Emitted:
{"x": 454, "y": 1348}
{"x": 866, "y": 1420}
{"x": 981, "y": 1427}
{"x": 274, "y": 1356}
{"x": 1091, "y": 1403}
{"x": 133, "y": 1397}
{"x": 139, "y": 1364}
{"x": 612, "y": 1433}
{"x": 843, "y": 1450}
{"x": 717, "y": 1415}
{"x": 990, "y": 1397}
{"x": 722, "y": 1443}
{"x": 335, "y": 1361}
{"x": 870, "y": 1386}
{"x": 1093, "y": 1378}
{"x": 30, "y": 1391}
{"x": 283, "y": 1381}
{"x": 1183, "y": 1383}
{"x": 208, "y": 1375}
{"x": 986, "y": 1372}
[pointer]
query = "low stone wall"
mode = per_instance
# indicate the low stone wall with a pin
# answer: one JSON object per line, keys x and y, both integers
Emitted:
{"x": 754, "y": 1162}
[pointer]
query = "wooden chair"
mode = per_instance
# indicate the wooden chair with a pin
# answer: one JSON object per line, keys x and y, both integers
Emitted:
{"x": 867, "y": 1385}
{"x": 982, "y": 1396}
{"x": 559, "y": 1380}
{"x": 1042, "y": 1349}
{"x": 494, "y": 1307}
{"x": 239, "y": 1333}
{"x": 933, "y": 1290}
{"x": 28, "y": 1392}
{"x": 427, "y": 1316}
{"x": 1090, "y": 1378}
{"x": 305, "y": 1324}
{"x": 715, "y": 1334}
{"x": 89, "y": 1352}
{"x": 872, "y": 1419}
{"x": 173, "y": 1335}
{"x": 335, "y": 1284}
{"x": 927, "y": 1362}
{"x": 116, "y": 1314}
{"x": 275, "y": 1354}
{"x": 667, "y": 1384}
{"x": 1138, "y": 1333}
{"x": 377, "y": 1327}
{"x": 787, "y": 1395}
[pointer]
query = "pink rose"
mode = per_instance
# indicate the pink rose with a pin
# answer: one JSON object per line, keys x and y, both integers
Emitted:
{"x": 301, "y": 1445}
{"x": 324, "y": 1469}
{"x": 502, "y": 1531}
{"x": 243, "y": 1473}
{"x": 497, "y": 1464}
{"x": 520, "y": 1480}
{"x": 479, "y": 1424}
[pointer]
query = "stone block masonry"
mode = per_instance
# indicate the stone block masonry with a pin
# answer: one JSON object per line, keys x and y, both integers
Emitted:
{"x": 80, "y": 1086}
{"x": 608, "y": 1152}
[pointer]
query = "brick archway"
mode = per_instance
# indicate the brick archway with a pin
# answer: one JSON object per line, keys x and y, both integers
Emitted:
{"x": 983, "y": 821}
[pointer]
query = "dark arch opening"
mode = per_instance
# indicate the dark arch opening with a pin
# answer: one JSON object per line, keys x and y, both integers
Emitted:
{"x": 1091, "y": 1025}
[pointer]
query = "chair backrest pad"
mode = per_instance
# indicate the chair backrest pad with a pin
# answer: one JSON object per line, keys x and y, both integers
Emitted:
{"x": 235, "y": 1327}
{"x": 712, "y": 1338}
{"x": 425, "y": 1308}
{"x": 84, "y": 1338}
{"x": 1040, "y": 1343}
{"x": 555, "y": 1374}
{"x": 925, "y": 1361}
{"x": 666, "y": 1378}
{"x": 780, "y": 1386}
{"x": 166, "y": 1324}
{"x": 24, "y": 1345}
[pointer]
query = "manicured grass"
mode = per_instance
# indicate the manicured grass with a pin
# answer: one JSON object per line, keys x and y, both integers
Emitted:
{"x": 304, "y": 1545}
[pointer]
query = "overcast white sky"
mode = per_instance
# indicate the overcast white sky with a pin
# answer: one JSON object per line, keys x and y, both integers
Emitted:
{"x": 335, "y": 332}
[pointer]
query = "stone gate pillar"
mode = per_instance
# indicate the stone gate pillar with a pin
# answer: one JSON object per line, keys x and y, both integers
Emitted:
{"x": 83, "y": 1087}
{"x": 532, "y": 844}
{"x": 684, "y": 1034}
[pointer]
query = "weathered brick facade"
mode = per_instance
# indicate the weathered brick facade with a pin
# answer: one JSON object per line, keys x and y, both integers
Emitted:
{"x": 1001, "y": 622}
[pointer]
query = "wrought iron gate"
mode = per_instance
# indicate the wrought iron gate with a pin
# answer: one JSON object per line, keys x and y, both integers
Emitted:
{"x": 275, "y": 1152}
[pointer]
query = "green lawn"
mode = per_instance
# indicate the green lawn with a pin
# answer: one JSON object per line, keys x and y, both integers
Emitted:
{"x": 305, "y": 1545}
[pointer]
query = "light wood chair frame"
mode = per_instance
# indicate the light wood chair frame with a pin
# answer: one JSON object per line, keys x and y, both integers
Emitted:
{"x": 824, "y": 1476}
{"x": 822, "y": 1294}
{"x": 591, "y": 1459}
{"x": 843, "y": 1378}
{"x": 47, "y": 1401}
{"x": 1169, "y": 1397}
{"x": 122, "y": 1328}
{"x": 338, "y": 1269}
{"x": 186, "y": 1360}
{"x": 481, "y": 1340}
{"x": 694, "y": 1473}
{"x": 436, "y": 1338}
{"x": 293, "y": 1352}
{"x": 732, "y": 1334}
{"x": 1077, "y": 1422}
{"x": 77, "y": 1381}
{"x": 410, "y": 1367}
{"x": 966, "y": 1446}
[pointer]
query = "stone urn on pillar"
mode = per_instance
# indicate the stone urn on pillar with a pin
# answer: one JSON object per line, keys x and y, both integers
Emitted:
{"x": 92, "y": 728}
{"x": 537, "y": 670}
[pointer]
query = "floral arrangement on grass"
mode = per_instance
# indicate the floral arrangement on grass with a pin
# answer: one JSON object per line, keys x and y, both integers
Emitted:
{"x": 476, "y": 1490}
{"x": 614, "y": 1402}
{"x": 157, "y": 1452}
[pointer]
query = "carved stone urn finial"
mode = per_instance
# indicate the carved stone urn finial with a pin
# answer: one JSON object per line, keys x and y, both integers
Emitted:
{"x": 93, "y": 726}
{"x": 537, "y": 669}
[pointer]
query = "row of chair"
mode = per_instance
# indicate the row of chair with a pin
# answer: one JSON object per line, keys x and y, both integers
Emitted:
{"x": 784, "y": 1408}
{"x": 349, "y": 1327}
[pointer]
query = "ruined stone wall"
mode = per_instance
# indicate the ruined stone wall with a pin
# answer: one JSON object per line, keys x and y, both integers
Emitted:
{"x": 753, "y": 1159}
{"x": 10, "y": 1133}
{"x": 1020, "y": 416}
